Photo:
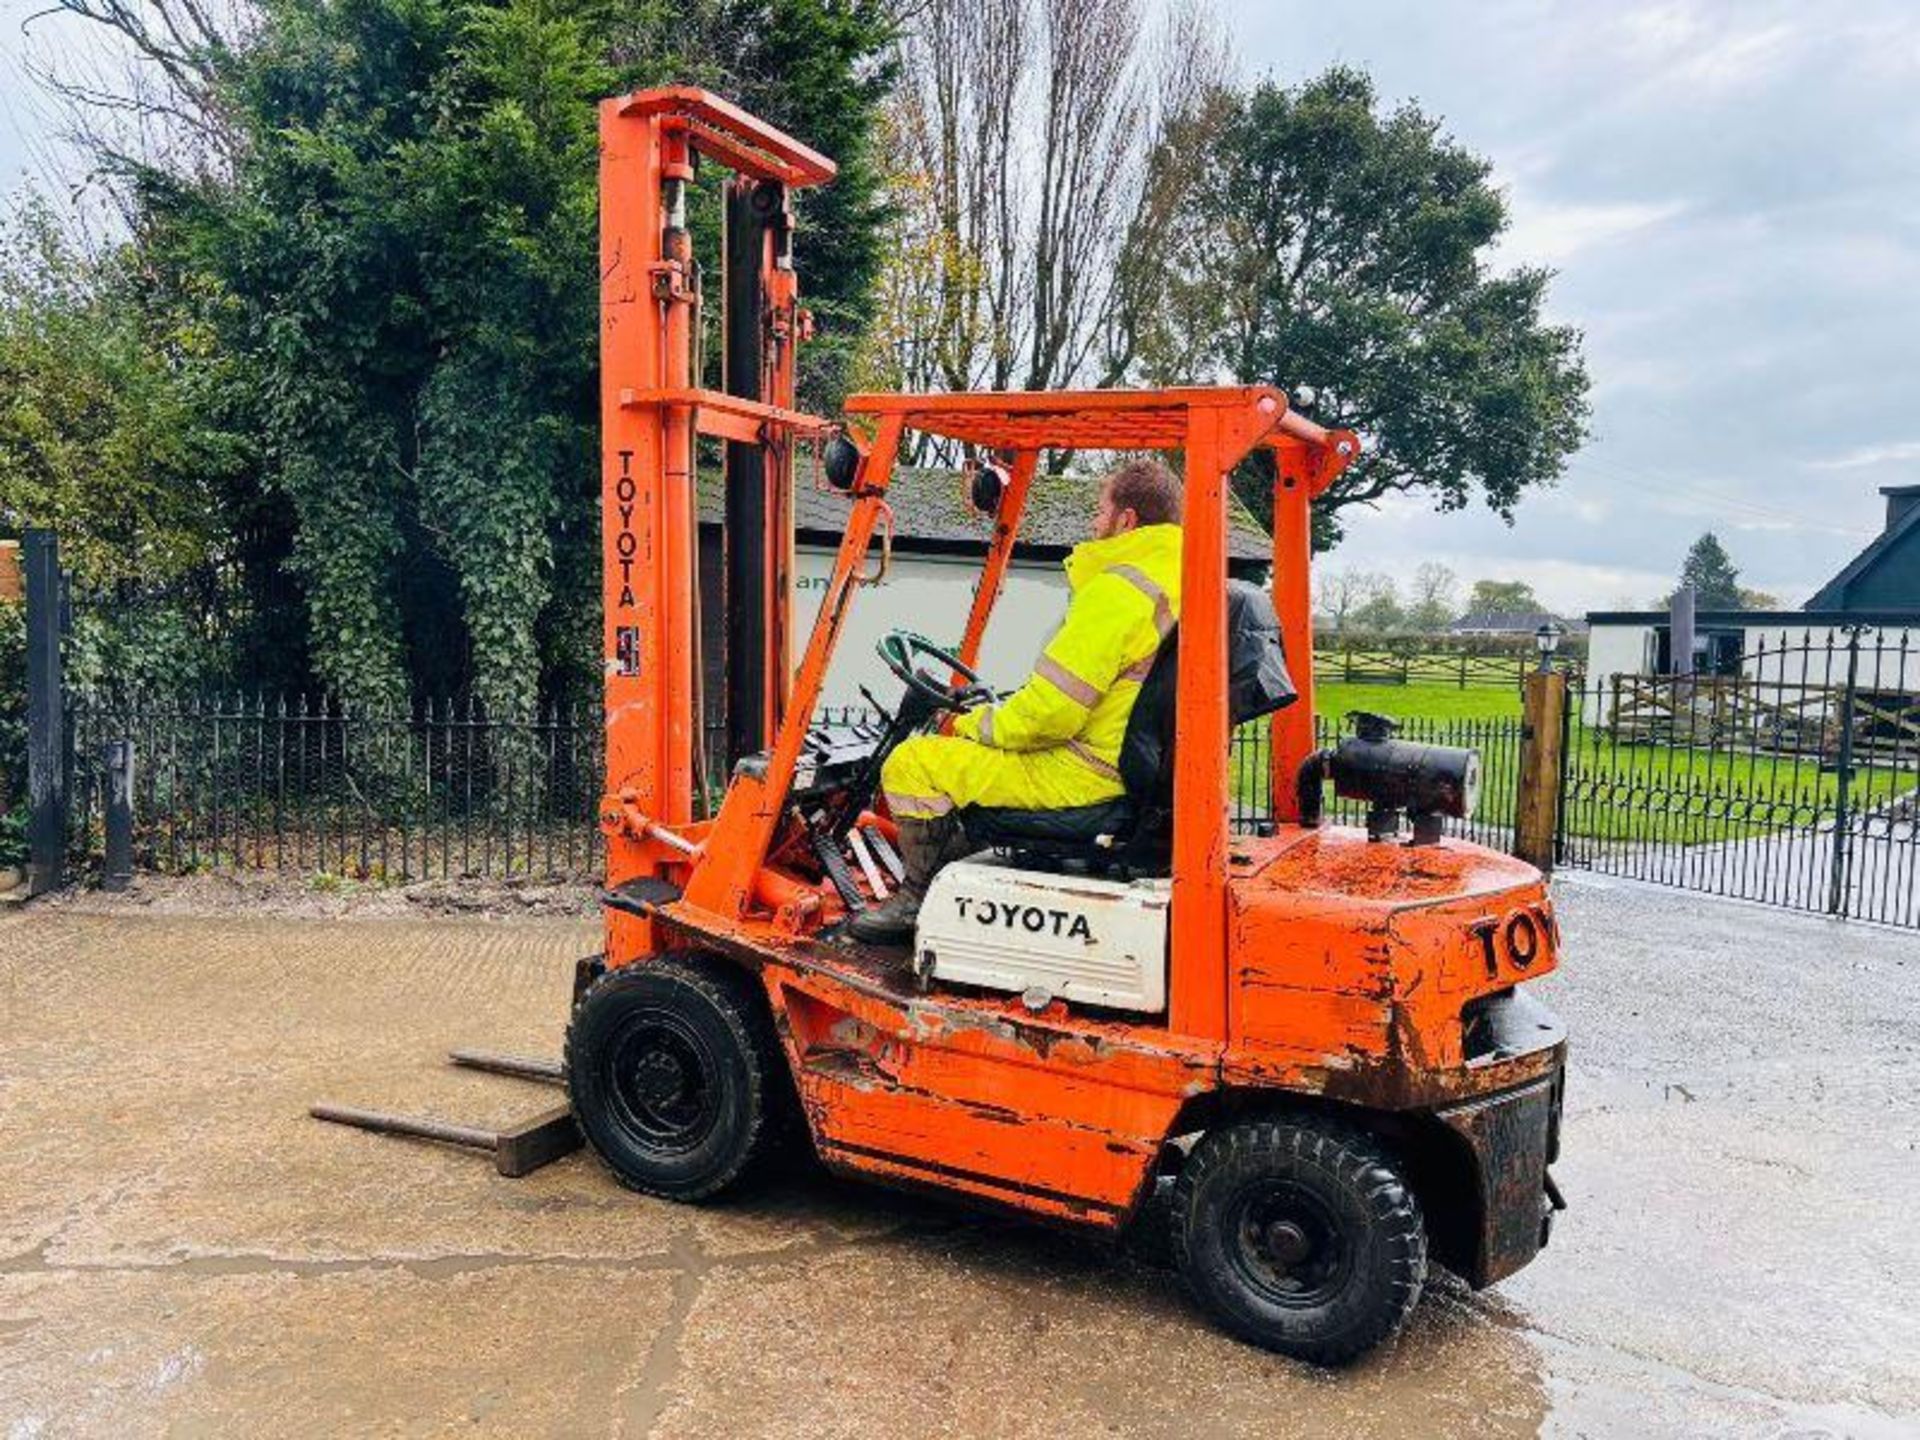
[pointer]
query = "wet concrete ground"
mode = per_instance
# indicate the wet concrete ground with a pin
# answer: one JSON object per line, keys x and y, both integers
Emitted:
{"x": 182, "y": 1251}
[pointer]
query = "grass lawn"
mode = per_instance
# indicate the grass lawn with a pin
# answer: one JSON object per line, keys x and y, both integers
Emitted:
{"x": 1334, "y": 699}
{"x": 1703, "y": 796}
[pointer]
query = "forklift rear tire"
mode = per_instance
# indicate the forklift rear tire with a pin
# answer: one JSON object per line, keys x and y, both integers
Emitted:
{"x": 1301, "y": 1236}
{"x": 671, "y": 1069}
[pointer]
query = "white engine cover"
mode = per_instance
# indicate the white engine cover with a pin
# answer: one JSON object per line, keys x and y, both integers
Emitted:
{"x": 1103, "y": 942}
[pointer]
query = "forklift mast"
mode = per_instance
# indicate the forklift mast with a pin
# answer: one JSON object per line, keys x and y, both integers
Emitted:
{"x": 653, "y": 408}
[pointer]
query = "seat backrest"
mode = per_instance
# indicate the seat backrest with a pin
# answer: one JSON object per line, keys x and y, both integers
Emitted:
{"x": 1258, "y": 684}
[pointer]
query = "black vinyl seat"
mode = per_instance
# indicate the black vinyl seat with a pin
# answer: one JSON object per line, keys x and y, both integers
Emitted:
{"x": 1133, "y": 833}
{"x": 1075, "y": 825}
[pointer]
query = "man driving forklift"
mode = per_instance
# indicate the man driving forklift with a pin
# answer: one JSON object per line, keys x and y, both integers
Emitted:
{"x": 1054, "y": 743}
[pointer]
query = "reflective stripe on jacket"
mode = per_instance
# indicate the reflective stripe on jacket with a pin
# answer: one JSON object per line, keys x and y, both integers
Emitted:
{"x": 1125, "y": 600}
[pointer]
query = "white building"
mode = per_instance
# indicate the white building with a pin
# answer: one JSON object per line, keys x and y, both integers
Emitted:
{"x": 1866, "y": 618}
{"x": 939, "y": 543}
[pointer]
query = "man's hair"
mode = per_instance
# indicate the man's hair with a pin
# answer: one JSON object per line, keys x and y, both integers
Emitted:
{"x": 1150, "y": 490}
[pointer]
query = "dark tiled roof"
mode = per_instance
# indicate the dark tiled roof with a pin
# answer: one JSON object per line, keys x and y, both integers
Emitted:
{"x": 1501, "y": 622}
{"x": 930, "y": 510}
{"x": 1840, "y": 593}
{"x": 1765, "y": 619}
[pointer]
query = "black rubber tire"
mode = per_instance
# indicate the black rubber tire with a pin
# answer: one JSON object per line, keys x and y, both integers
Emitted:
{"x": 672, "y": 1069}
{"x": 1335, "y": 1202}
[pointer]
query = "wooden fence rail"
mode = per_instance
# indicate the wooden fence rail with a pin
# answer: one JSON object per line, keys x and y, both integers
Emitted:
{"x": 1366, "y": 663}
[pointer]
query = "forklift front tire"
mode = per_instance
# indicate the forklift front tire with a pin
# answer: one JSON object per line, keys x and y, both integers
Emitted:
{"x": 670, "y": 1067}
{"x": 1301, "y": 1236}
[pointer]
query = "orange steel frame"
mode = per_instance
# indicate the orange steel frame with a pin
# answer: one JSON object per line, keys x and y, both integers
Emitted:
{"x": 651, "y": 409}
{"x": 1309, "y": 962}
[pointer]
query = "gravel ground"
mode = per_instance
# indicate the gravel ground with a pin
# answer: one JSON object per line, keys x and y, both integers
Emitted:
{"x": 183, "y": 1251}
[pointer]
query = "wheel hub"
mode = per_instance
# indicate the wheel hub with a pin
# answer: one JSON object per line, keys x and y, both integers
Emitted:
{"x": 659, "y": 1078}
{"x": 662, "y": 1078}
{"x": 1290, "y": 1246}
{"x": 1286, "y": 1243}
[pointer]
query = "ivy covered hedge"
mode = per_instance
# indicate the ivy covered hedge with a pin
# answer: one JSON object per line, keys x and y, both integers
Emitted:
{"x": 328, "y": 419}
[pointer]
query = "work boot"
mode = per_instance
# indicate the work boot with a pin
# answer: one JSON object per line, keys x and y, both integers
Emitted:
{"x": 925, "y": 845}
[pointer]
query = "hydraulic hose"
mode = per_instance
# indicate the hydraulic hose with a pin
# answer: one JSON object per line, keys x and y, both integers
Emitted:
{"x": 1310, "y": 787}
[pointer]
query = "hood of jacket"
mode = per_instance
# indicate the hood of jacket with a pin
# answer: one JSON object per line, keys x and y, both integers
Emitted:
{"x": 1150, "y": 548}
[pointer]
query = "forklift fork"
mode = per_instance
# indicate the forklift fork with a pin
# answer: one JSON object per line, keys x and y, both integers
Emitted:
{"x": 518, "y": 1150}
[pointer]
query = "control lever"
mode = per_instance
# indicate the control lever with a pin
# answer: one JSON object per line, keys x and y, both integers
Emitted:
{"x": 889, "y": 857}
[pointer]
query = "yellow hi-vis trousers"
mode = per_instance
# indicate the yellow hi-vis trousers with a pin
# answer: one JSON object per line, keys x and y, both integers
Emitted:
{"x": 930, "y": 775}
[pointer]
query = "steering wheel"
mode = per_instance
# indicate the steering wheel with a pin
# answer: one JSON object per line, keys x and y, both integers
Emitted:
{"x": 901, "y": 648}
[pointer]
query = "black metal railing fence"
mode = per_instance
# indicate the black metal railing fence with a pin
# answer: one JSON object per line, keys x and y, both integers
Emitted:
{"x": 1498, "y": 742}
{"x": 445, "y": 791}
{"x": 440, "y": 790}
{"x": 1793, "y": 780}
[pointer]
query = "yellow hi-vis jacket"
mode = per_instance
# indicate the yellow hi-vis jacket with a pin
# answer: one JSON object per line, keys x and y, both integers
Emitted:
{"x": 1125, "y": 600}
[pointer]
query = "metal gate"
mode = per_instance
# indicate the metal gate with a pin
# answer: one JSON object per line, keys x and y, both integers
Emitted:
{"x": 1793, "y": 780}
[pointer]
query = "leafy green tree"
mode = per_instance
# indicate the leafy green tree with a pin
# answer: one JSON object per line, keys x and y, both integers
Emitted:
{"x": 106, "y": 432}
{"x": 1711, "y": 573}
{"x": 1334, "y": 246}
{"x": 1503, "y": 597}
{"x": 115, "y": 433}
{"x": 1381, "y": 611}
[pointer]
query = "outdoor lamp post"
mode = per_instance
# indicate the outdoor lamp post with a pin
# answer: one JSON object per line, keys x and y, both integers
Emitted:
{"x": 1547, "y": 640}
{"x": 1543, "y": 709}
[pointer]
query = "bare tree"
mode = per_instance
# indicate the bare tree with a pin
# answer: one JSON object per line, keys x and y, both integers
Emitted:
{"x": 1091, "y": 165}
{"x": 141, "y": 83}
{"x": 1339, "y": 594}
{"x": 1433, "y": 597}
{"x": 1027, "y": 240}
{"x": 960, "y": 195}
{"x": 1192, "y": 71}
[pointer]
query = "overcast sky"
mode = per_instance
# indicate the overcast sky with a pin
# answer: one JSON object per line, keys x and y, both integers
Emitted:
{"x": 1730, "y": 190}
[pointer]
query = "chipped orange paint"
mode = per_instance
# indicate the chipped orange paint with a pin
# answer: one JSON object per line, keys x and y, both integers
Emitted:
{"x": 1312, "y": 963}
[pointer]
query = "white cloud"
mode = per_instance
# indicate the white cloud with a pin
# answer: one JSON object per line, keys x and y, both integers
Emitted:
{"x": 1661, "y": 29}
{"x": 1739, "y": 59}
{"x": 1565, "y": 586}
{"x": 1548, "y": 234}
{"x": 1867, "y": 456}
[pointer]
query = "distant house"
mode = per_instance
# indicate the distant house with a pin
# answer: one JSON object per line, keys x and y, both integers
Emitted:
{"x": 939, "y": 542}
{"x": 1495, "y": 624}
{"x": 1876, "y": 595}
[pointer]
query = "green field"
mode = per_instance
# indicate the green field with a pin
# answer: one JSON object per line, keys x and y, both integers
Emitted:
{"x": 1423, "y": 702}
{"x": 1642, "y": 793}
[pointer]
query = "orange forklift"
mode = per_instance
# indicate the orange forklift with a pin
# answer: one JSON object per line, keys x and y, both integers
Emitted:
{"x": 1307, "y": 1052}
